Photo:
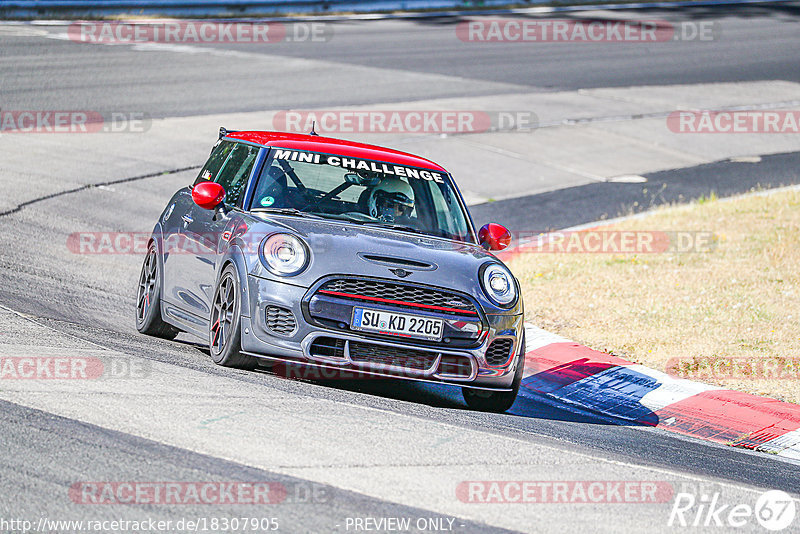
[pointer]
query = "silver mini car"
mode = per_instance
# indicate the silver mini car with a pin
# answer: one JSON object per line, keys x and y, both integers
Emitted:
{"x": 338, "y": 255}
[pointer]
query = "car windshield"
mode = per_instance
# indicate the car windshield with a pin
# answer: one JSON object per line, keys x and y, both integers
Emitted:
{"x": 361, "y": 191}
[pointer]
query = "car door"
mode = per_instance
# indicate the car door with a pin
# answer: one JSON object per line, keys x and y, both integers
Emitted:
{"x": 180, "y": 245}
{"x": 207, "y": 227}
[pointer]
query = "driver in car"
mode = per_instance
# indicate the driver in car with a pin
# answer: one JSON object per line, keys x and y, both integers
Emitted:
{"x": 392, "y": 201}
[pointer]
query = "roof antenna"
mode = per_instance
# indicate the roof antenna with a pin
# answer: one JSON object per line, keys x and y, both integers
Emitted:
{"x": 312, "y": 132}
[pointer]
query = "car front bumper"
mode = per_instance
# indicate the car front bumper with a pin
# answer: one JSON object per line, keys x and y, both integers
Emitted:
{"x": 341, "y": 352}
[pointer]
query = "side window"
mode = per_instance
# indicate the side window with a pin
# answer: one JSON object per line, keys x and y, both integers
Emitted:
{"x": 446, "y": 205}
{"x": 218, "y": 156}
{"x": 235, "y": 172}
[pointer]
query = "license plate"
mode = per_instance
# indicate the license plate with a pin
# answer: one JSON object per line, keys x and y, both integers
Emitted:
{"x": 398, "y": 324}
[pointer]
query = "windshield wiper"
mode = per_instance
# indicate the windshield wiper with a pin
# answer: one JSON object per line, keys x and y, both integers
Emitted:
{"x": 288, "y": 211}
{"x": 402, "y": 227}
{"x": 341, "y": 217}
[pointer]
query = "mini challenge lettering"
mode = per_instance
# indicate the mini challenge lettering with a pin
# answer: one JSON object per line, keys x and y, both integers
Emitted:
{"x": 358, "y": 165}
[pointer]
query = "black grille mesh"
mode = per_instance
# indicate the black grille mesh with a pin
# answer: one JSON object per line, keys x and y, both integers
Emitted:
{"x": 398, "y": 357}
{"x": 280, "y": 320}
{"x": 498, "y": 351}
{"x": 452, "y": 365}
{"x": 402, "y": 293}
{"x": 328, "y": 347}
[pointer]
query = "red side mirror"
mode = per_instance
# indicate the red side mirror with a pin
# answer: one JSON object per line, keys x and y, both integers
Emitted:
{"x": 208, "y": 195}
{"x": 494, "y": 236}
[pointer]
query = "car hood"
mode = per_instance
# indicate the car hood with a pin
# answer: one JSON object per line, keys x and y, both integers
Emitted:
{"x": 342, "y": 248}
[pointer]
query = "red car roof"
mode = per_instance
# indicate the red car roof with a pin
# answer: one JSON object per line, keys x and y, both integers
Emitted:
{"x": 329, "y": 145}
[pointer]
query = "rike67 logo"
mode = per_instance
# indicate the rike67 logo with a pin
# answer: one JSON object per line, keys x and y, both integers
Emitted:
{"x": 773, "y": 510}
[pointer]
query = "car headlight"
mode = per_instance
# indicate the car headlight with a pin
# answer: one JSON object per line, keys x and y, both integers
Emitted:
{"x": 284, "y": 254}
{"x": 498, "y": 284}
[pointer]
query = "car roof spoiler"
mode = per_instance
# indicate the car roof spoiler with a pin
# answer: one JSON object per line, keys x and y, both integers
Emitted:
{"x": 223, "y": 132}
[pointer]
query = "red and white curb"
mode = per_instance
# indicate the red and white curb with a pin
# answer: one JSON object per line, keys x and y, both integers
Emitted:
{"x": 575, "y": 375}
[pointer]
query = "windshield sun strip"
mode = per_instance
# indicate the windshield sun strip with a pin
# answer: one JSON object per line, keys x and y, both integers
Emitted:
{"x": 444, "y": 178}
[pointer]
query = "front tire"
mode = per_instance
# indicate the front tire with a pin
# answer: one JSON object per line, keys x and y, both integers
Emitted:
{"x": 497, "y": 401}
{"x": 225, "y": 327}
{"x": 148, "y": 299}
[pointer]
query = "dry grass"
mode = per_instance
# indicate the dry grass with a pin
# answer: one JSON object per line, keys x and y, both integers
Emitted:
{"x": 739, "y": 301}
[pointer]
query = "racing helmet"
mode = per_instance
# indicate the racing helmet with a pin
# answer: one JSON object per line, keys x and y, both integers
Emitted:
{"x": 390, "y": 196}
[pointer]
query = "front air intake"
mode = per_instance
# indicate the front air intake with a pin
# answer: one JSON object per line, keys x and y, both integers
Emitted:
{"x": 455, "y": 366}
{"x": 280, "y": 320}
{"x": 420, "y": 360}
{"x": 328, "y": 348}
{"x": 499, "y": 352}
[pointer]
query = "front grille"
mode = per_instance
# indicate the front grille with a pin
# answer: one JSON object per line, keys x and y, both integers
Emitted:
{"x": 452, "y": 365}
{"x": 498, "y": 351}
{"x": 280, "y": 320}
{"x": 400, "y": 295}
{"x": 327, "y": 347}
{"x": 394, "y": 356}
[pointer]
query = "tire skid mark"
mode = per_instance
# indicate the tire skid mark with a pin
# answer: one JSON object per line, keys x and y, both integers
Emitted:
{"x": 22, "y": 205}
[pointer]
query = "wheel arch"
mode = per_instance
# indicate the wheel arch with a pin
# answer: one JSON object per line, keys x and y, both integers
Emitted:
{"x": 235, "y": 256}
{"x": 157, "y": 238}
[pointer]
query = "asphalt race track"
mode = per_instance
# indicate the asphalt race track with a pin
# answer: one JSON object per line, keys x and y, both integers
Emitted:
{"x": 760, "y": 44}
{"x": 344, "y": 449}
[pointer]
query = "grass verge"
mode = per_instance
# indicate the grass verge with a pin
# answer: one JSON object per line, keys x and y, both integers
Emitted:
{"x": 728, "y": 316}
